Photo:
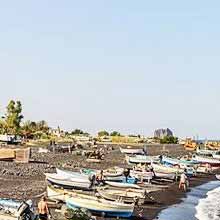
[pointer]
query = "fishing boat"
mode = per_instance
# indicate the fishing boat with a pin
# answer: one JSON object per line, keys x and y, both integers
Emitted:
{"x": 111, "y": 172}
{"x": 121, "y": 179}
{"x": 206, "y": 160}
{"x": 59, "y": 195}
{"x": 71, "y": 174}
{"x": 122, "y": 185}
{"x": 166, "y": 169}
{"x": 162, "y": 168}
{"x": 182, "y": 162}
{"x": 163, "y": 175}
{"x": 131, "y": 151}
{"x": 78, "y": 183}
{"x": 216, "y": 155}
{"x": 16, "y": 210}
{"x": 205, "y": 152}
{"x": 139, "y": 159}
{"x": 101, "y": 206}
{"x": 142, "y": 175}
{"x": 123, "y": 195}
{"x": 217, "y": 177}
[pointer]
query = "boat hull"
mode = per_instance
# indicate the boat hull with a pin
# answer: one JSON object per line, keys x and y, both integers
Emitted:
{"x": 111, "y": 210}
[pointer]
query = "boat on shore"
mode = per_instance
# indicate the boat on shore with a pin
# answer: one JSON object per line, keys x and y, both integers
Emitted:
{"x": 163, "y": 175}
{"x": 174, "y": 162}
{"x": 139, "y": 159}
{"x": 100, "y": 206}
{"x": 78, "y": 183}
{"x": 71, "y": 174}
{"x": 122, "y": 185}
{"x": 142, "y": 175}
{"x": 207, "y": 160}
{"x": 217, "y": 177}
{"x": 121, "y": 179}
{"x": 132, "y": 151}
{"x": 123, "y": 195}
{"x": 111, "y": 172}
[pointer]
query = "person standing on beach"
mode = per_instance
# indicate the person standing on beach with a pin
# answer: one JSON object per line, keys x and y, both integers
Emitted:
{"x": 183, "y": 181}
{"x": 43, "y": 210}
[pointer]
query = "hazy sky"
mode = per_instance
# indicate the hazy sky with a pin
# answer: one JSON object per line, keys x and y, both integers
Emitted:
{"x": 124, "y": 65}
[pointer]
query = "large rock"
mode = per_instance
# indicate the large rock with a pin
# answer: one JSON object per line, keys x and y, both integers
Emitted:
{"x": 161, "y": 133}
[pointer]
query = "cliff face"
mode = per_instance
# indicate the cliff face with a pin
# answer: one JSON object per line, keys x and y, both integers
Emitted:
{"x": 161, "y": 133}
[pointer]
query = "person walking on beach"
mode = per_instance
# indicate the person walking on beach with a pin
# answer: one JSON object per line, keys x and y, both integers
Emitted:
{"x": 43, "y": 210}
{"x": 183, "y": 181}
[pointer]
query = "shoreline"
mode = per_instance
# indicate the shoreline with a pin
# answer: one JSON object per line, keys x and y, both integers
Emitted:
{"x": 172, "y": 196}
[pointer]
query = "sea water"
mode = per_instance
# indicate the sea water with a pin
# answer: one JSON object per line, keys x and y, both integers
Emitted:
{"x": 201, "y": 203}
{"x": 209, "y": 207}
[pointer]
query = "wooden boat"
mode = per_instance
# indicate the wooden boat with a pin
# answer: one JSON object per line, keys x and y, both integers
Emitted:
{"x": 217, "y": 177}
{"x": 206, "y": 160}
{"x": 163, "y": 175}
{"x": 71, "y": 174}
{"x": 111, "y": 172}
{"x": 79, "y": 183}
{"x": 166, "y": 169}
{"x": 122, "y": 185}
{"x": 216, "y": 155}
{"x": 161, "y": 168}
{"x": 96, "y": 205}
{"x": 139, "y": 159}
{"x": 127, "y": 196}
{"x": 131, "y": 151}
{"x": 142, "y": 175}
{"x": 181, "y": 163}
{"x": 121, "y": 179}
{"x": 59, "y": 195}
{"x": 15, "y": 210}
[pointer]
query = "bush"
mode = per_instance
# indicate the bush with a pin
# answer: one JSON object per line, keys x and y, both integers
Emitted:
{"x": 77, "y": 214}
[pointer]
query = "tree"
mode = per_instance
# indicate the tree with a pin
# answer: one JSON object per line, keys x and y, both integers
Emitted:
{"x": 13, "y": 117}
{"x": 103, "y": 133}
{"x": 28, "y": 129}
{"x": 77, "y": 132}
{"x": 169, "y": 140}
{"x": 42, "y": 126}
{"x": 115, "y": 133}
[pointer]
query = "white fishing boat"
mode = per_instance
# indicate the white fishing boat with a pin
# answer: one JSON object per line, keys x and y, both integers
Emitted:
{"x": 217, "y": 177}
{"x": 122, "y": 185}
{"x": 97, "y": 205}
{"x": 111, "y": 172}
{"x": 205, "y": 152}
{"x": 59, "y": 195}
{"x": 131, "y": 151}
{"x": 56, "y": 179}
{"x": 207, "y": 160}
{"x": 166, "y": 169}
{"x": 71, "y": 174}
{"x": 139, "y": 159}
{"x": 163, "y": 175}
{"x": 142, "y": 175}
{"x": 216, "y": 155}
{"x": 123, "y": 195}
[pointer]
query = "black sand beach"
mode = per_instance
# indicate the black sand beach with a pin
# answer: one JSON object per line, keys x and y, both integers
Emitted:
{"x": 27, "y": 181}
